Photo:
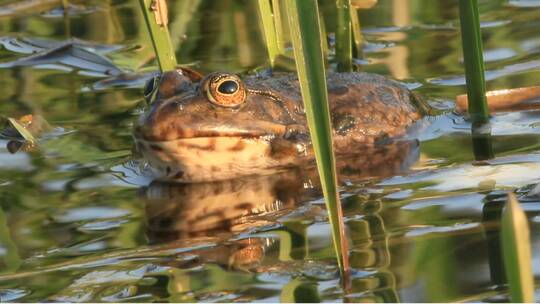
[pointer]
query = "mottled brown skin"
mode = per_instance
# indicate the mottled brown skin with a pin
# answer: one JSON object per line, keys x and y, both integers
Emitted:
{"x": 366, "y": 109}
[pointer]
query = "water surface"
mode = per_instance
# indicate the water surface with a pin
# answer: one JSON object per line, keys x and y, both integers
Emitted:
{"x": 79, "y": 222}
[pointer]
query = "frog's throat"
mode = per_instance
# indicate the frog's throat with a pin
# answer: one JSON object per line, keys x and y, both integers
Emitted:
{"x": 211, "y": 158}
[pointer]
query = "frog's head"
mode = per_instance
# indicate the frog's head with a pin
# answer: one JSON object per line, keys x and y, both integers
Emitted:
{"x": 212, "y": 128}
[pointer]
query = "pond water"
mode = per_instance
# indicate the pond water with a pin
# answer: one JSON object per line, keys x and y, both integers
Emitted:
{"x": 80, "y": 222}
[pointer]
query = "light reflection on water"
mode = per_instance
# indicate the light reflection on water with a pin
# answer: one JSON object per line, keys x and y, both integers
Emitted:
{"x": 80, "y": 220}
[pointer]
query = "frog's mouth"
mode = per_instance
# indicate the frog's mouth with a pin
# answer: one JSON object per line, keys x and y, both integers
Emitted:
{"x": 209, "y": 158}
{"x": 246, "y": 129}
{"x": 212, "y": 153}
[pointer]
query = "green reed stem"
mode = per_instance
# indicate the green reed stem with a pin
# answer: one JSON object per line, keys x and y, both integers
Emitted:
{"x": 482, "y": 142}
{"x": 285, "y": 63}
{"x": 324, "y": 36}
{"x": 517, "y": 252}
{"x": 304, "y": 24}
{"x": 474, "y": 61}
{"x": 278, "y": 23}
{"x": 159, "y": 33}
{"x": 343, "y": 36}
{"x": 269, "y": 29}
{"x": 356, "y": 31}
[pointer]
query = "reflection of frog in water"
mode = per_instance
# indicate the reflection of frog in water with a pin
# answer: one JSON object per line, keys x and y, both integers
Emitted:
{"x": 220, "y": 127}
{"x": 198, "y": 213}
{"x": 194, "y": 214}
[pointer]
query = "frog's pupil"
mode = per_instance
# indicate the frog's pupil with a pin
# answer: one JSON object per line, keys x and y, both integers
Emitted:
{"x": 228, "y": 87}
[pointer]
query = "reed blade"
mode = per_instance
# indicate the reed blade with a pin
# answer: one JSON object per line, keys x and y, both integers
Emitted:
{"x": 155, "y": 14}
{"x": 474, "y": 61}
{"x": 278, "y": 23}
{"x": 324, "y": 37}
{"x": 304, "y": 24}
{"x": 356, "y": 31}
{"x": 269, "y": 29}
{"x": 517, "y": 252}
{"x": 343, "y": 36}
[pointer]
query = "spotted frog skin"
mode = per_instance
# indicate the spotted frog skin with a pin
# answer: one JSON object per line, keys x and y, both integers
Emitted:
{"x": 220, "y": 127}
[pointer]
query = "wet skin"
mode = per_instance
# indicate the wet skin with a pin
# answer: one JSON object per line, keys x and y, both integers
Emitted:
{"x": 221, "y": 127}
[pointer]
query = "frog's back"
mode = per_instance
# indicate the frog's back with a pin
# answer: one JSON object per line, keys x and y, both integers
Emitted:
{"x": 365, "y": 108}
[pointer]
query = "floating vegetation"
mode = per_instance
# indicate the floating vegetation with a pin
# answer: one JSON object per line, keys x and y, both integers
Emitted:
{"x": 28, "y": 127}
{"x": 70, "y": 54}
{"x": 22, "y": 133}
{"x": 21, "y": 7}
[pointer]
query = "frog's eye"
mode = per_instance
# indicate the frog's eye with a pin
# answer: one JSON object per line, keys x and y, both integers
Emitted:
{"x": 228, "y": 87}
{"x": 150, "y": 87}
{"x": 224, "y": 90}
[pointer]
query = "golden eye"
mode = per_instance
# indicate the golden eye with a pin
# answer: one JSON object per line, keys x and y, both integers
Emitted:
{"x": 225, "y": 90}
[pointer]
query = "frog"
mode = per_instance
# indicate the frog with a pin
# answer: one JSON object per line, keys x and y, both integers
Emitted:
{"x": 221, "y": 126}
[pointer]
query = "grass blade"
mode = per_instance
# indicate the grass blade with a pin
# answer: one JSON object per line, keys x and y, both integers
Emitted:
{"x": 307, "y": 44}
{"x": 474, "y": 60}
{"x": 517, "y": 252}
{"x": 269, "y": 29}
{"x": 324, "y": 37}
{"x": 343, "y": 36}
{"x": 357, "y": 31}
{"x": 278, "y": 23}
{"x": 155, "y": 14}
